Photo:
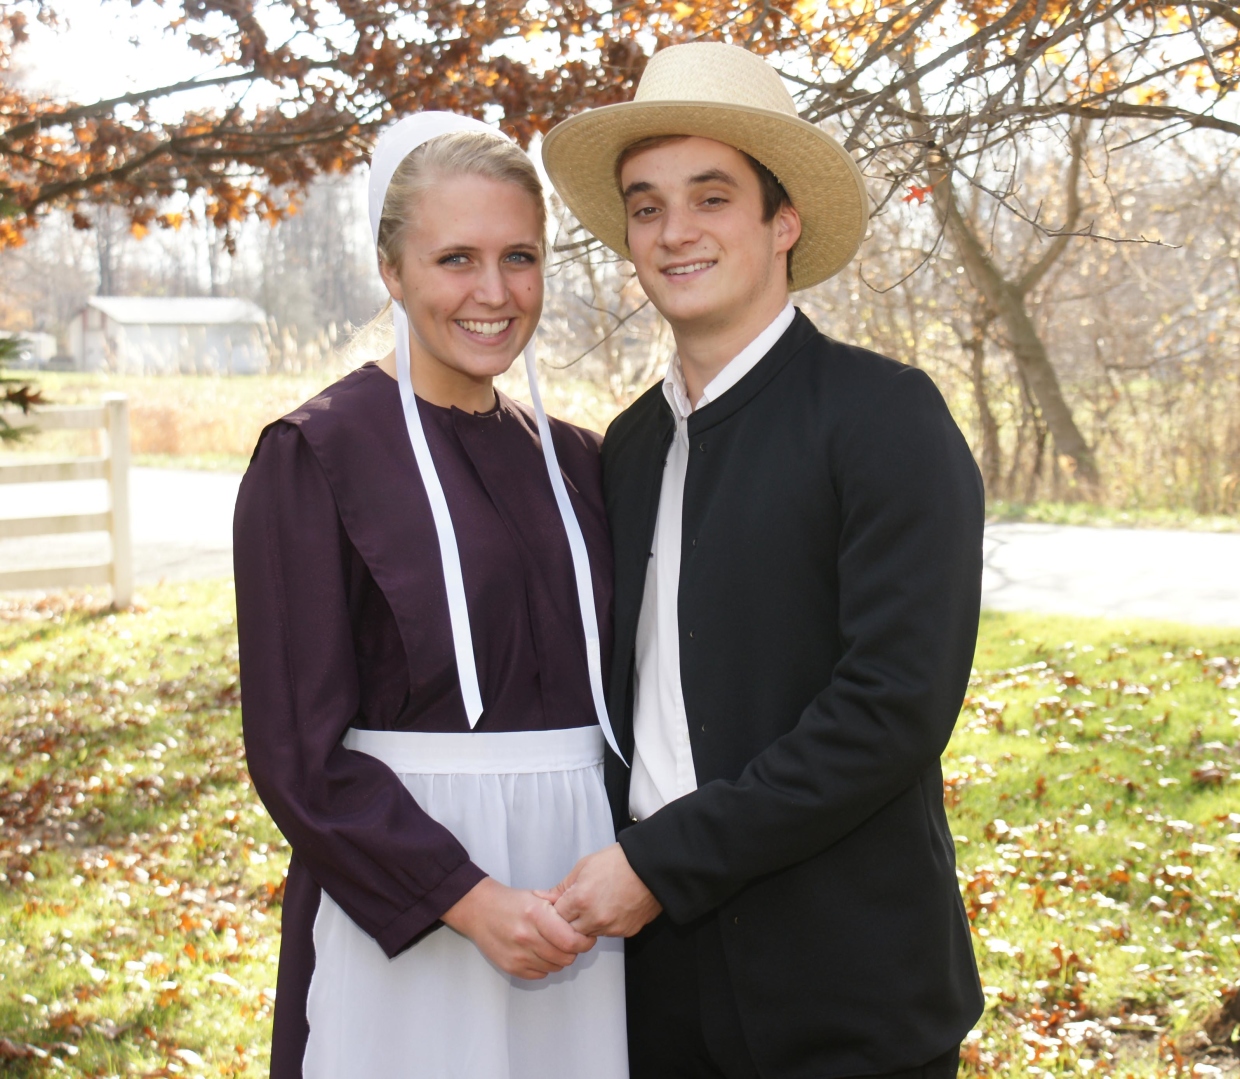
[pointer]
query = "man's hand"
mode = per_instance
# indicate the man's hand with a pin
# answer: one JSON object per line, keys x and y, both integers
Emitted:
{"x": 603, "y": 897}
{"x": 519, "y": 931}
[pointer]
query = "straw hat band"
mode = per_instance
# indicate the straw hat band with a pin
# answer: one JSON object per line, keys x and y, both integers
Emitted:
{"x": 723, "y": 93}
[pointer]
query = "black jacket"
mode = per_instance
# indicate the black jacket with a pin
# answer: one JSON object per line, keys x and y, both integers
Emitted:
{"x": 829, "y": 590}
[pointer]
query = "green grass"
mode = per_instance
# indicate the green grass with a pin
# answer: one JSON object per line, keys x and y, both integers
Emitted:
{"x": 139, "y": 903}
{"x": 1093, "y": 783}
{"x": 1101, "y": 516}
{"x": 1090, "y": 782}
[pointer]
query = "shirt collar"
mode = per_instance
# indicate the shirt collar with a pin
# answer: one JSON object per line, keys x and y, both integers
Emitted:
{"x": 737, "y": 368}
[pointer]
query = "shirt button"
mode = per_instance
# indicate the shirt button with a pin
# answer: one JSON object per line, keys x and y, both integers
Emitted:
{"x": 703, "y": 728}
{"x": 736, "y": 920}
{"x": 702, "y": 446}
{"x": 695, "y": 543}
{"x": 690, "y": 634}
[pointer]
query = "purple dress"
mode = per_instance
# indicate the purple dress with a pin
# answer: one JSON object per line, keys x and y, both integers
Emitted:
{"x": 343, "y": 622}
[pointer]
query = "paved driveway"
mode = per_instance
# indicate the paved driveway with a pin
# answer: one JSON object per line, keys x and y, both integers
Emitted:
{"x": 182, "y": 527}
{"x": 1181, "y": 576}
{"x": 182, "y": 523}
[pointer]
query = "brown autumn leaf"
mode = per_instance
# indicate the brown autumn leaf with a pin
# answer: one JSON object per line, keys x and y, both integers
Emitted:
{"x": 1211, "y": 775}
{"x": 11, "y": 1051}
{"x": 877, "y": 71}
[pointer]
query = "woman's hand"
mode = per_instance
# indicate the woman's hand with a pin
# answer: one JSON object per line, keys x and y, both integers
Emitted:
{"x": 518, "y": 931}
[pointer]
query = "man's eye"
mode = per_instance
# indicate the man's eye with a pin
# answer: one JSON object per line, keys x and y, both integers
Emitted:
{"x": 714, "y": 200}
{"x": 645, "y": 211}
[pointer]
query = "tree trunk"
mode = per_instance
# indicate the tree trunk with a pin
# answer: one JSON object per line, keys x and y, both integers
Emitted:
{"x": 213, "y": 260}
{"x": 992, "y": 463}
{"x": 108, "y": 239}
{"x": 1007, "y": 299}
{"x": 1035, "y": 421}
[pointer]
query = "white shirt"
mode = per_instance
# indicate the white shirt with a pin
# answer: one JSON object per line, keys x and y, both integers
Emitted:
{"x": 662, "y": 756}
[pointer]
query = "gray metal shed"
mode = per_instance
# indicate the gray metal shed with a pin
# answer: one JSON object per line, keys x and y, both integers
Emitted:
{"x": 151, "y": 335}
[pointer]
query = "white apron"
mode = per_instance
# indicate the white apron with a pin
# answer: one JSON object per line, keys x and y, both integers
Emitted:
{"x": 526, "y": 805}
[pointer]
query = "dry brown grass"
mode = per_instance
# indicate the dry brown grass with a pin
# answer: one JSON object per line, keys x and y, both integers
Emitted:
{"x": 214, "y": 422}
{"x": 178, "y": 416}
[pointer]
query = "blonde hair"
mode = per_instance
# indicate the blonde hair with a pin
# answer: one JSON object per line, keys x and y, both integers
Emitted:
{"x": 462, "y": 153}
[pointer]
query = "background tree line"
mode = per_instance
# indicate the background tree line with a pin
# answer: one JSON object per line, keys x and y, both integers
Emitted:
{"x": 1053, "y": 236}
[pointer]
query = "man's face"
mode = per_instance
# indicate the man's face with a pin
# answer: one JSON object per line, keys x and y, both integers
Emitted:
{"x": 702, "y": 252}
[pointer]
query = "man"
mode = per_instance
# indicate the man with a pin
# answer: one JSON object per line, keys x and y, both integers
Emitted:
{"x": 797, "y": 527}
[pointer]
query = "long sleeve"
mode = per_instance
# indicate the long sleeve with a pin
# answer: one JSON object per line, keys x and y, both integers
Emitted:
{"x": 350, "y": 821}
{"x": 909, "y": 578}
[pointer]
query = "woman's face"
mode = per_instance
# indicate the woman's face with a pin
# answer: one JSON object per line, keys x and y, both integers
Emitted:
{"x": 470, "y": 279}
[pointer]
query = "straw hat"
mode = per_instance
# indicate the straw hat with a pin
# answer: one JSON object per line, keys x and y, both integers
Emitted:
{"x": 725, "y": 93}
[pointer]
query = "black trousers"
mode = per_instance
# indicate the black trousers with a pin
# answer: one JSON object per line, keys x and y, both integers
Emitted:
{"x": 682, "y": 1013}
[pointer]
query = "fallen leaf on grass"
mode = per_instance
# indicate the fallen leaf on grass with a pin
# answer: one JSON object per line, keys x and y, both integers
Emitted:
{"x": 1226, "y": 671}
{"x": 110, "y": 1029}
{"x": 10, "y": 1051}
{"x": 1211, "y": 775}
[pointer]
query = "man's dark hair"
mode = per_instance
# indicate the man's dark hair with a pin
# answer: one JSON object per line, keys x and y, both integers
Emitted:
{"x": 774, "y": 197}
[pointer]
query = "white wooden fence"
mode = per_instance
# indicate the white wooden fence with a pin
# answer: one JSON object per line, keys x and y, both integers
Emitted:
{"x": 113, "y": 466}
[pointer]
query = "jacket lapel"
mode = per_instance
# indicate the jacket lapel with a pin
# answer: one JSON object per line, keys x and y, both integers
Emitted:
{"x": 633, "y": 478}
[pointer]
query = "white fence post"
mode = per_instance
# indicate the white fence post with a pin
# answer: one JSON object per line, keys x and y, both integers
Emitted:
{"x": 116, "y": 406}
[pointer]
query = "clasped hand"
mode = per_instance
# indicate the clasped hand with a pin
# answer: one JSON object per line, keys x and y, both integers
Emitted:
{"x": 519, "y": 931}
{"x": 531, "y": 934}
{"x": 603, "y": 897}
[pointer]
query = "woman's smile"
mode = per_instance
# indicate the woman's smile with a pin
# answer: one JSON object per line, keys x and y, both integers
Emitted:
{"x": 488, "y": 330}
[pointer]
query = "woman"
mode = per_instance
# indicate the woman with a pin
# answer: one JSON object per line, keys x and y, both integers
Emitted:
{"x": 423, "y": 581}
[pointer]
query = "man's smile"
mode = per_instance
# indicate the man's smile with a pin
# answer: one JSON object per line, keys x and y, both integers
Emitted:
{"x": 689, "y": 268}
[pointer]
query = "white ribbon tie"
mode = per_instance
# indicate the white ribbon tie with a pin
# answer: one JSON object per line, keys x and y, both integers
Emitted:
{"x": 392, "y": 148}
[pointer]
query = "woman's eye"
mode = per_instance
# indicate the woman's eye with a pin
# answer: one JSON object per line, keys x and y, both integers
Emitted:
{"x": 522, "y": 257}
{"x": 453, "y": 260}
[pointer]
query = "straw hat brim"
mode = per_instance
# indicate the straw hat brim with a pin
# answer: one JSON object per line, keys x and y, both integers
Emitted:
{"x": 820, "y": 176}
